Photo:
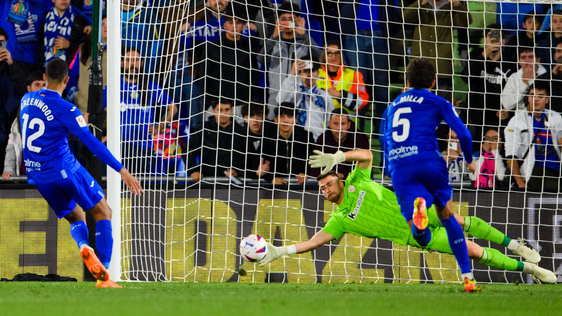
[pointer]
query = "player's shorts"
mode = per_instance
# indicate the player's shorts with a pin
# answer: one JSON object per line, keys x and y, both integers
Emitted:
{"x": 79, "y": 188}
{"x": 428, "y": 179}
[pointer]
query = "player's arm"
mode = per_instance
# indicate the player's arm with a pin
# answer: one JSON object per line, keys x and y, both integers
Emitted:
{"x": 98, "y": 149}
{"x": 463, "y": 134}
{"x": 315, "y": 242}
{"x": 364, "y": 159}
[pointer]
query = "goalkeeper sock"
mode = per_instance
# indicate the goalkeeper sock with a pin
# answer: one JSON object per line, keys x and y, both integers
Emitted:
{"x": 104, "y": 241}
{"x": 423, "y": 237}
{"x": 457, "y": 243}
{"x": 495, "y": 259}
{"x": 478, "y": 228}
{"x": 79, "y": 232}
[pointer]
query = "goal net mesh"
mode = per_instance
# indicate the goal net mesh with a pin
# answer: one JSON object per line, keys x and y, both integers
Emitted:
{"x": 222, "y": 102}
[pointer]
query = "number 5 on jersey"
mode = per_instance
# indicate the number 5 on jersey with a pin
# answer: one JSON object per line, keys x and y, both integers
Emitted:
{"x": 29, "y": 141}
{"x": 404, "y": 122}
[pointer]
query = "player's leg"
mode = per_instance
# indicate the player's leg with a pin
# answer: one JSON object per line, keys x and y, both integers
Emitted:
{"x": 478, "y": 228}
{"x": 61, "y": 197}
{"x": 91, "y": 197}
{"x": 495, "y": 259}
{"x": 455, "y": 236}
{"x": 56, "y": 195}
{"x": 412, "y": 198}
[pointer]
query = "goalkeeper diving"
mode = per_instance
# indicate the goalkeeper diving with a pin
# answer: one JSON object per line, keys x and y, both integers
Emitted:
{"x": 367, "y": 209}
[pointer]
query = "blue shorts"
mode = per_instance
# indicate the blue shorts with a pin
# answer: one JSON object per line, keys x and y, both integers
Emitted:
{"x": 79, "y": 188}
{"x": 428, "y": 179}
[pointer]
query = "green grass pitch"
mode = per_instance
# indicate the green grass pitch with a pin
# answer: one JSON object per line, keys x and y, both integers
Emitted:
{"x": 34, "y": 298}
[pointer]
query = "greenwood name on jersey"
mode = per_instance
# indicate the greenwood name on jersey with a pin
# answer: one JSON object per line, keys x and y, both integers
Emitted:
{"x": 45, "y": 120}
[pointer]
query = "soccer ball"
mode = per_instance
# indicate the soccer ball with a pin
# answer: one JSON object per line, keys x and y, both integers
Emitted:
{"x": 253, "y": 248}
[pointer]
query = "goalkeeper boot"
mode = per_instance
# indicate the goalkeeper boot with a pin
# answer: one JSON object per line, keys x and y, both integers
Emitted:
{"x": 108, "y": 283}
{"x": 93, "y": 264}
{"x": 471, "y": 285}
{"x": 530, "y": 255}
{"x": 541, "y": 275}
{"x": 420, "y": 214}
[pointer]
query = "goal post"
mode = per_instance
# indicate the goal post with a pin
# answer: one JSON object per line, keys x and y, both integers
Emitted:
{"x": 199, "y": 203}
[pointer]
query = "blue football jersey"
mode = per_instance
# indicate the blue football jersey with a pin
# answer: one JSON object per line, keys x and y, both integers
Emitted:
{"x": 45, "y": 120}
{"x": 410, "y": 125}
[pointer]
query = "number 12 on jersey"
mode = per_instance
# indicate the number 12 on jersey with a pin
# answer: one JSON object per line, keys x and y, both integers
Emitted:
{"x": 28, "y": 142}
{"x": 404, "y": 122}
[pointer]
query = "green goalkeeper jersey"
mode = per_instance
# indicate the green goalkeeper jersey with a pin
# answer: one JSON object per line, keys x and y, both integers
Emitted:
{"x": 369, "y": 210}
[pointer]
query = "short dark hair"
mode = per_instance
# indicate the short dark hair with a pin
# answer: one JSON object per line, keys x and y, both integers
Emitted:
{"x": 526, "y": 49}
{"x": 339, "y": 111}
{"x": 557, "y": 12}
{"x": 129, "y": 48}
{"x": 37, "y": 75}
{"x": 288, "y": 7}
{"x": 57, "y": 70}
{"x": 420, "y": 73}
{"x": 221, "y": 100}
{"x": 533, "y": 14}
{"x": 254, "y": 108}
{"x": 330, "y": 173}
{"x": 541, "y": 85}
{"x": 3, "y": 32}
{"x": 285, "y": 108}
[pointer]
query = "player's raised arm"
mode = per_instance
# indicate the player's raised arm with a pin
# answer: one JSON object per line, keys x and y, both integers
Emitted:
{"x": 315, "y": 242}
{"x": 463, "y": 134}
{"x": 363, "y": 157}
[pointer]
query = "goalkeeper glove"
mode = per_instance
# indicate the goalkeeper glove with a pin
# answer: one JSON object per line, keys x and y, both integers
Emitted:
{"x": 328, "y": 161}
{"x": 273, "y": 253}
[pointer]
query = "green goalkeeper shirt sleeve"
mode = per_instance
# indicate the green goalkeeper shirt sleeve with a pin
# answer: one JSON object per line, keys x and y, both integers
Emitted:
{"x": 334, "y": 227}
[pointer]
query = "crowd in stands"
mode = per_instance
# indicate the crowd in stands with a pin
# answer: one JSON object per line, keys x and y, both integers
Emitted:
{"x": 247, "y": 89}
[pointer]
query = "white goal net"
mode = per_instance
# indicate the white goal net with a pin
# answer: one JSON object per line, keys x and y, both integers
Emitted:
{"x": 219, "y": 103}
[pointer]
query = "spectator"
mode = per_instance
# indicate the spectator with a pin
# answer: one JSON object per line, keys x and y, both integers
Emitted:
{"x": 534, "y": 136}
{"x": 455, "y": 159}
{"x": 13, "y": 162}
{"x": 433, "y": 34}
{"x": 248, "y": 143}
{"x": 213, "y": 144}
{"x": 341, "y": 135}
{"x": 345, "y": 85}
{"x": 490, "y": 167}
{"x": 486, "y": 75}
{"x": 288, "y": 43}
{"x": 547, "y": 45}
{"x": 64, "y": 29}
{"x": 230, "y": 67}
{"x": 287, "y": 146}
{"x": 23, "y": 21}
{"x": 518, "y": 83}
{"x": 12, "y": 87}
{"x": 143, "y": 104}
{"x": 526, "y": 38}
{"x": 555, "y": 79}
{"x": 313, "y": 104}
{"x": 366, "y": 26}
{"x": 84, "y": 61}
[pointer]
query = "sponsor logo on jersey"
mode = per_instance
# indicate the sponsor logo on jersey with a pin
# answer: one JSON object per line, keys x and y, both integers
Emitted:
{"x": 351, "y": 189}
{"x": 81, "y": 121}
{"x": 353, "y": 214}
{"x": 73, "y": 109}
{"x": 92, "y": 185}
{"x": 402, "y": 152}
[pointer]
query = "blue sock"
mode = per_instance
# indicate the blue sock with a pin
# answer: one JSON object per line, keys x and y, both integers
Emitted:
{"x": 423, "y": 237}
{"x": 104, "y": 241}
{"x": 79, "y": 232}
{"x": 457, "y": 243}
